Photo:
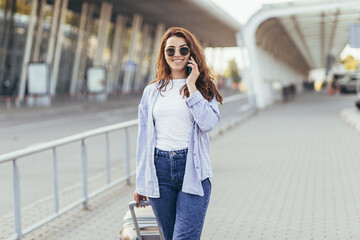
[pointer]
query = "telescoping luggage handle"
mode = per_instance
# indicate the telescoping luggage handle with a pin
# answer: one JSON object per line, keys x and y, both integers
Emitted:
{"x": 132, "y": 211}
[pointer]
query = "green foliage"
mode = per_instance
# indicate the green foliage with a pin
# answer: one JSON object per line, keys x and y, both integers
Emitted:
{"x": 232, "y": 71}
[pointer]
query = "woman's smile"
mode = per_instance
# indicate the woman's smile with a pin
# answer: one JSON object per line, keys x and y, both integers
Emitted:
{"x": 178, "y": 61}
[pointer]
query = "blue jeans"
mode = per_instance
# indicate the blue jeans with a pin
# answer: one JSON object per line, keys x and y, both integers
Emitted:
{"x": 180, "y": 215}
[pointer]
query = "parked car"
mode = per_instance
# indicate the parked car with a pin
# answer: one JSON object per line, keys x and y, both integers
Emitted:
{"x": 348, "y": 83}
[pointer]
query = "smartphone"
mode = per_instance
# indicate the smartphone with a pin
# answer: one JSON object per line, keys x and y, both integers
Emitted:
{"x": 189, "y": 68}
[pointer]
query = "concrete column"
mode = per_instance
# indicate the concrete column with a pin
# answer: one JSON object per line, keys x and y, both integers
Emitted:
{"x": 119, "y": 66}
{"x": 56, "y": 65}
{"x": 130, "y": 65}
{"x": 88, "y": 29}
{"x": 255, "y": 73}
{"x": 245, "y": 72}
{"x": 39, "y": 32}
{"x": 105, "y": 16}
{"x": 99, "y": 50}
{"x": 146, "y": 65}
{"x": 27, "y": 53}
{"x": 116, "y": 46}
{"x": 265, "y": 61}
{"x": 79, "y": 49}
{"x": 139, "y": 69}
{"x": 54, "y": 27}
{"x": 160, "y": 28}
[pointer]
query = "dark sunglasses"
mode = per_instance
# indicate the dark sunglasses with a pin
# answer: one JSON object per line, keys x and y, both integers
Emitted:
{"x": 183, "y": 51}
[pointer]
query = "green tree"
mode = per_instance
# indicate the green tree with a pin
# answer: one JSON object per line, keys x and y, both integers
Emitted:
{"x": 349, "y": 62}
{"x": 232, "y": 71}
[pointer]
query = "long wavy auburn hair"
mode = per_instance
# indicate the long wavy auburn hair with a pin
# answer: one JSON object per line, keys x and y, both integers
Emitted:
{"x": 206, "y": 80}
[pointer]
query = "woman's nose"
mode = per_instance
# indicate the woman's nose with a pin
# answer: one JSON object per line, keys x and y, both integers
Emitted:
{"x": 177, "y": 53}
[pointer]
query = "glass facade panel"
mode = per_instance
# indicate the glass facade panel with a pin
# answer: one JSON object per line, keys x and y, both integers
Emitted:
{"x": 14, "y": 23}
{"x": 14, "y": 20}
{"x": 70, "y": 36}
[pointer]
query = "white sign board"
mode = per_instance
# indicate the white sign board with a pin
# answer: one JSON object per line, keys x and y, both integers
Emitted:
{"x": 38, "y": 79}
{"x": 96, "y": 79}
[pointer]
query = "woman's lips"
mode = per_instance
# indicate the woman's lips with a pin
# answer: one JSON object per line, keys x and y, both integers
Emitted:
{"x": 178, "y": 61}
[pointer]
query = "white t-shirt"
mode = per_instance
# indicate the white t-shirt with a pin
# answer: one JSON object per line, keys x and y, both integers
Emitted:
{"x": 173, "y": 120}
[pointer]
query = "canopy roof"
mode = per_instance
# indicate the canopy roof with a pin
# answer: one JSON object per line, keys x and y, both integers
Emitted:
{"x": 207, "y": 21}
{"x": 306, "y": 34}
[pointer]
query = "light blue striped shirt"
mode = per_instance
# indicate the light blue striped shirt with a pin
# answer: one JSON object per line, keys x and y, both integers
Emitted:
{"x": 198, "y": 167}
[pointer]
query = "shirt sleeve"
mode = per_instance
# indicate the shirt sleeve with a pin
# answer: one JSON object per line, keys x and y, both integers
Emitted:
{"x": 206, "y": 114}
{"x": 142, "y": 132}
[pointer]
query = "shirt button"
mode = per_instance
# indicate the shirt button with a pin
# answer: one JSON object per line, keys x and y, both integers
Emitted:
{"x": 197, "y": 167}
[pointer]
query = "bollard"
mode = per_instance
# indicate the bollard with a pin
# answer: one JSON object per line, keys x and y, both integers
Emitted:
{"x": 35, "y": 99}
{"x": 17, "y": 102}
{"x": 8, "y": 102}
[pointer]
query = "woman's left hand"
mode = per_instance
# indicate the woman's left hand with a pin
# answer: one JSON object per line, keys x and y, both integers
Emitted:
{"x": 193, "y": 76}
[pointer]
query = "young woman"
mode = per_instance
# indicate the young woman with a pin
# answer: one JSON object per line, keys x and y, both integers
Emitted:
{"x": 175, "y": 113}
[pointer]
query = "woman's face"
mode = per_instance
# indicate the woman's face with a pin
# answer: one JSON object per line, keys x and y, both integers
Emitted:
{"x": 177, "y": 53}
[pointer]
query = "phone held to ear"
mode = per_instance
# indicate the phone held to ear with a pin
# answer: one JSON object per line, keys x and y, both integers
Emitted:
{"x": 189, "y": 68}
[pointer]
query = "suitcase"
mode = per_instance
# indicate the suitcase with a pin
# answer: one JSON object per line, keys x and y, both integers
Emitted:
{"x": 140, "y": 223}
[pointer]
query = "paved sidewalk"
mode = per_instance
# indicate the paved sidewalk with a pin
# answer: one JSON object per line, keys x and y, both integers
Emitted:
{"x": 290, "y": 172}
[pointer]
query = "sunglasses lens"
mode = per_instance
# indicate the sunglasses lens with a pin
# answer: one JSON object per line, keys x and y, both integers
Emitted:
{"x": 170, "y": 52}
{"x": 184, "y": 51}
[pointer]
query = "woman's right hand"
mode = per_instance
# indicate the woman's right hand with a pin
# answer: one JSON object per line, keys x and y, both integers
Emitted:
{"x": 138, "y": 197}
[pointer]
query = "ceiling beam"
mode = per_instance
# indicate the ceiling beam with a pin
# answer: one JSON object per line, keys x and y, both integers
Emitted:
{"x": 272, "y": 37}
{"x": 315, "y": 16}
{"x": 303, "y": 41}
{"x": 322, "y": 39}
{"x": 333, "y": 31}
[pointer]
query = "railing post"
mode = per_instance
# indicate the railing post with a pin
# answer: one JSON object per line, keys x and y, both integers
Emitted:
{"x": 17, "y": 202}
{"x": 55, "y": 180}
{"x": 127, "y": 157}
{"x": 108, "y": 178}
{"x": 84, "y": 173}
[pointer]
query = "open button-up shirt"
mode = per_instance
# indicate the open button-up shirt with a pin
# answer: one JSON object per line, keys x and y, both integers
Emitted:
{"x": 198, "y": 167}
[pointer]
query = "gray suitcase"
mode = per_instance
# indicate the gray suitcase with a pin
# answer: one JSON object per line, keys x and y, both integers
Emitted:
{"x": 140, "y": 223}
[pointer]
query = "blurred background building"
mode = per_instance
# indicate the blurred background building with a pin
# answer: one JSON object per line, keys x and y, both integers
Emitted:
{"x": 117, "y": 41}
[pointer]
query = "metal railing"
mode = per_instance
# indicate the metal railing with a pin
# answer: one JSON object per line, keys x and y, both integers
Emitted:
{"x": 53, "y": 145}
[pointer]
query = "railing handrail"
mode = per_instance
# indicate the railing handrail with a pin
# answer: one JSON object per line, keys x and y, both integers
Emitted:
{"x": 234, "y": 98}
{"x": 7, "y": 157}
{"x": 66, "y": 140}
